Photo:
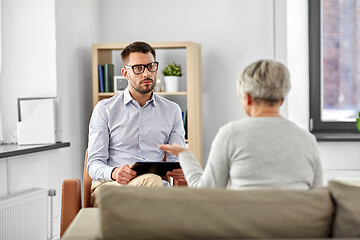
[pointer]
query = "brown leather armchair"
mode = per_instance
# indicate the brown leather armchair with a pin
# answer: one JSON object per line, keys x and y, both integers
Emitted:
{"x": 71, "y": 197}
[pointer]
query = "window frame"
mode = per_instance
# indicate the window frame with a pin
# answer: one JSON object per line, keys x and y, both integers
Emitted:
{"x": 316, "y": 125}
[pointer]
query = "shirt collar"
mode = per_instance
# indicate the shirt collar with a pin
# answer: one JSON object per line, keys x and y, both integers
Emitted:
{"x": 128, "y": 98}
{"x": 152, "y": 99}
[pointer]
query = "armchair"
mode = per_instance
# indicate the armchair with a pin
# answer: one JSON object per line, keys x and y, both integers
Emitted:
{"x": 71, "y": 196}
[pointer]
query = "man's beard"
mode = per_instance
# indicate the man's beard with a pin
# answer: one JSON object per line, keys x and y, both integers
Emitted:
{"x": 147, "y": 89}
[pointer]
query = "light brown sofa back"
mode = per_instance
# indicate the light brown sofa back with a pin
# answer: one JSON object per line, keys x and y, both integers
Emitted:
{"x": 346, "y": 197}
{"x": 182, "y": 213}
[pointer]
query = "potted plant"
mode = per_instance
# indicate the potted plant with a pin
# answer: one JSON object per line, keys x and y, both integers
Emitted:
{"x": 172, "y": 74}
{"x": 358, "y": 122}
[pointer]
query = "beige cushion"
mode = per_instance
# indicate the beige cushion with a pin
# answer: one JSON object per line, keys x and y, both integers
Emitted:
{"x": 183, "y": 213}
{"x": 85, "y": 226}
{"x": 347, "y": 215}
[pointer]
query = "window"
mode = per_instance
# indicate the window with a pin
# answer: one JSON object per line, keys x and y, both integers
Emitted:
{"x": 334, "y": 51}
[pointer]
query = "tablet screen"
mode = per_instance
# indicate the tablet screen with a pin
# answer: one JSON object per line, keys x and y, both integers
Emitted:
{"x": 159, "y": 168}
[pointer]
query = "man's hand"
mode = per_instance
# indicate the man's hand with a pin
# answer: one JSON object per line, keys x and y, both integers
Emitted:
{"x": 123, "y": 174}
{"x": 174, "y": 149}
{"x": 178, "y": 176}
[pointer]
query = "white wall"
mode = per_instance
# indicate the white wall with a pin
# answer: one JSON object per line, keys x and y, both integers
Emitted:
{"x": 76, "y": 30}
{"x": 29, "y": 61}
{"x": 28, "y": 70}
{"x": 47, "y": 52}
{"x": 1, "y": 134}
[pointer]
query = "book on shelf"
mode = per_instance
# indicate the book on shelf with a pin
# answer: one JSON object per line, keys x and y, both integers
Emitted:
{"x": 101, "y": 78}
{"x": 111, "y": 77}
{"x": 185, "y": 123}
{"x": 108, "y": 77}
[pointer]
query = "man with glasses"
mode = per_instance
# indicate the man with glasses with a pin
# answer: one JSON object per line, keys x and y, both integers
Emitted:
{"x": 129, "y": 127}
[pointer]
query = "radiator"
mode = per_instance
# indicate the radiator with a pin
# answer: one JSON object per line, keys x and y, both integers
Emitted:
{"x": 24, "y": 215}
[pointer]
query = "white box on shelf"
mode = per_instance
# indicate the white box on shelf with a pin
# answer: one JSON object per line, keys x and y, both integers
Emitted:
{"x": 39, "y": 121}
{"x": 120, "y": 83}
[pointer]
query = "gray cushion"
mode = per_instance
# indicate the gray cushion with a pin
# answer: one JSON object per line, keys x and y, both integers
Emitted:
{"x": 347, "y": 214}
{"x": 183, "y": 213}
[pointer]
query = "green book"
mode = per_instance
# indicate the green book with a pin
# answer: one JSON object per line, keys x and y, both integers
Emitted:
{"x": 106, "y": 78}
{"x": 111, "y": 77}
{"x": 185, "y": 123}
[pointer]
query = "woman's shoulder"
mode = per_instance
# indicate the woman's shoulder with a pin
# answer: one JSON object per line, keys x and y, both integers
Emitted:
{"x": 304, "y": 132}
{"x": 259, "y": 124}
{"x": 292, "y": 129}
{"x": 236, "y": 125}
{"x": 242, "y": 123}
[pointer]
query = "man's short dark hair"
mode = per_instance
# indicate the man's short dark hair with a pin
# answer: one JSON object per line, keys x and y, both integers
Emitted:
{"x": 141, "y": 47}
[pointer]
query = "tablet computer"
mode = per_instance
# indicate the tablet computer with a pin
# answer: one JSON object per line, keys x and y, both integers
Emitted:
{"x": 159, "y": 168}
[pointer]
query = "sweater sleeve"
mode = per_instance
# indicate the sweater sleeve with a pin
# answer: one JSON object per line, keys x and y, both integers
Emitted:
{"x": 318, "y": 173}
{"x": 216, "y": 172}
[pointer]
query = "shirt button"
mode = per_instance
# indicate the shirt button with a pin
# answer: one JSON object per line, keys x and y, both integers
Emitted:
{"x": 141, "y": 141}
{"x": 141, "y": 125}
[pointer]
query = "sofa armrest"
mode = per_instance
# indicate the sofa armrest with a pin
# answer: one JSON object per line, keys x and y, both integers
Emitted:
{"x": 70, "y": 202}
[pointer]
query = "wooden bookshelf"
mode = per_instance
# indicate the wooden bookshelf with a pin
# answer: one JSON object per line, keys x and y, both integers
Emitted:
{"x": 102, "y": 54}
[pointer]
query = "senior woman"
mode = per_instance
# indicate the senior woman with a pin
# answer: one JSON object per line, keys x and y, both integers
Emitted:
{"x": 263, "y": 151}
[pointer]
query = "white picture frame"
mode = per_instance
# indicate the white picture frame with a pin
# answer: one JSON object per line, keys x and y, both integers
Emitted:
{"x": 120, "y": 84}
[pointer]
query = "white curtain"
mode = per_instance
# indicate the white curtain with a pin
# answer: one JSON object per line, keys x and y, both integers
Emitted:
{"x": 1, "y": 134}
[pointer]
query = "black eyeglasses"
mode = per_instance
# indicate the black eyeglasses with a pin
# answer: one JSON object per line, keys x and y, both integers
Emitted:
{"x": 140, "y": 68}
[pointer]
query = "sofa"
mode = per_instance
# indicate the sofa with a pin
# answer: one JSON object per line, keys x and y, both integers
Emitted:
{"x": 184, "y": 213}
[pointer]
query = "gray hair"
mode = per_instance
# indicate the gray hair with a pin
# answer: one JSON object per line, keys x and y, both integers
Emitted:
{"x": 265, "y": 80}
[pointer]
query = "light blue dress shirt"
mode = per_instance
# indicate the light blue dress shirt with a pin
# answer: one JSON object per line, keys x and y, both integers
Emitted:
{"x": 122, "y": 132}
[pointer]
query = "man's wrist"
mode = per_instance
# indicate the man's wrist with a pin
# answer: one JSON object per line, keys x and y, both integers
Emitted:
{"x": 111, "y": 175}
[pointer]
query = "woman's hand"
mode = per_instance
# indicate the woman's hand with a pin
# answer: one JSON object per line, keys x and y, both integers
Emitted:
{"x": 174, "y": 149}
{"x": 176, "y": 174}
